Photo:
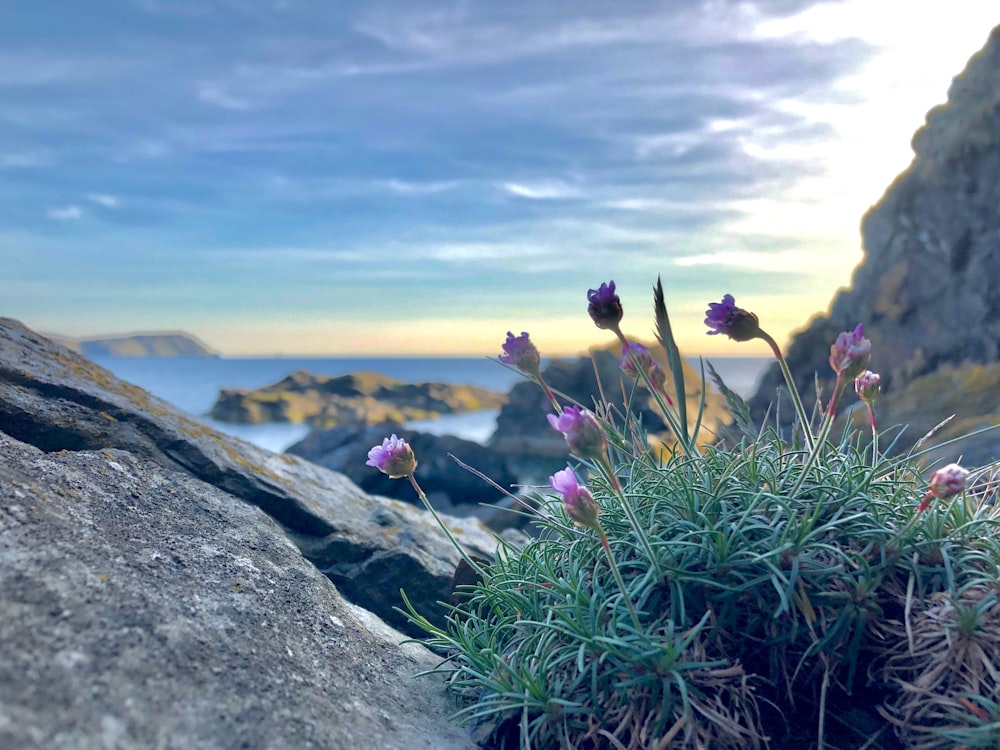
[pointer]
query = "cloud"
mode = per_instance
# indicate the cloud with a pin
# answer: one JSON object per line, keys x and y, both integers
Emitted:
{"x": 405, "y": 187}
{"x": 65, "y": 213}
{"x": 540, "y": 191}
{"x": 105, "y": 200}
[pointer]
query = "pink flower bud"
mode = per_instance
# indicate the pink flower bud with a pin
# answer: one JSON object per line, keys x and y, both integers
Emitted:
{"x": 605, "y": 306}
{"x": 584, "y": 434}
{"x": 737, "y": 323}
{"x": 944, "y": 483}
{"x": 394, "y": 458}
{"x": 850, "y": 353}
{"x": 521, "y": 353}
{"x": 577, "y": 500}
{"x": 868, "y": 385}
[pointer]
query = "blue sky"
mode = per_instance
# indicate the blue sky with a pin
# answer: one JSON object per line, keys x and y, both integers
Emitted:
{"x": 402, "y": 177}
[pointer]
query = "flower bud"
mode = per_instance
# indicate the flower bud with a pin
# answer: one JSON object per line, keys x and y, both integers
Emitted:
{"x": 584, "y": 434}
{"x": 633, "y": 353}
{"x": 944, "y": 483}
{"x": 850, "y": 353}
{"x": 577, "y": 500}
{"x": 521, "y": 353}
{"x": 737, "y": 323}
{"x": 394, "y": 458}
{"x": 868, "y": 385}
{"x": 605, "y": 306}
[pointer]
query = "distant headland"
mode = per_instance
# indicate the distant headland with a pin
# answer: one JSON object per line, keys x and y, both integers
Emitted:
{"x": 147, "y": 344}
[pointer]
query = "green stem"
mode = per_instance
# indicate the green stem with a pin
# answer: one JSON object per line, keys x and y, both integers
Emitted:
{"x": 618, "y": 578}
{"x": 824, "y": 431}
{"x": 800, "y": 410}
{"x": 605, "y": 465}
{"x": 871, "y": 419}
{"x": 451, "y": 537}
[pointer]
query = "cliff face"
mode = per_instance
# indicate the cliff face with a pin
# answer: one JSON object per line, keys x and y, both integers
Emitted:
{"x": 928, "y": 288}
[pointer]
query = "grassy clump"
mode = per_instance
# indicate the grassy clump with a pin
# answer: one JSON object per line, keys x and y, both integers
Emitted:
{"x": 744, "y": 595}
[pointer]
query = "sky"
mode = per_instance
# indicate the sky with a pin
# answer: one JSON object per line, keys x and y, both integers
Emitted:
{"x": 403, "y": 177}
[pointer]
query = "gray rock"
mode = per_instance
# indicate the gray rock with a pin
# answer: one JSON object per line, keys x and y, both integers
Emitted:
{"x": 141, "y": 607}
{"x": 928, "y": 288}
{"x": 56, "y": 400}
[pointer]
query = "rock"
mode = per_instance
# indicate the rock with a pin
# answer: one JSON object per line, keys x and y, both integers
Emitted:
{"x": 370, "y": 546}
{"x": 145, "y": 608}
{"x": 928, "y": 288}
{"x": 174, "y": 344}
{"x": 448, "y": 485}
{"x": 361, "y": 397}
{"x": 534, "y": 450}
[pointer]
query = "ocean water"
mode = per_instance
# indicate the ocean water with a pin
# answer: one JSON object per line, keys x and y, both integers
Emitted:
{"x": 193, "y": 384}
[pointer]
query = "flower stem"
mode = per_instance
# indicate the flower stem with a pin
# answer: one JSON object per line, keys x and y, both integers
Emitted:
{"x": 792, "y": 390}
{"x": 451, "y": 537}
{"x": 618, "y": 578}
{"x": 605, "y": 464}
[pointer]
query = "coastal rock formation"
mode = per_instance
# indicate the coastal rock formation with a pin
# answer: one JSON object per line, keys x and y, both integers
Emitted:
{"x": 928, "y": 288}
{"x": 448, "y": 485}
{"x": 534, "y": 450}
{"x": 370, "y": 546}
{"x": 176, "y": 344}
{"x": 143, "y": 608}
{"x": 361, "y": 397}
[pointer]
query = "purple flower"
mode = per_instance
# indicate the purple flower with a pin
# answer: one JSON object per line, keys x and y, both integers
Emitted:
{"x": 605, "y": 307}
{"x": 850, "y": 353}
{"x": 945, "y": 483}
{"x": 584, "y": 434}
{"x": 577, "y": 500}
{"x": 394, "y": 457}
{"x": 635, "y": 353}
{"x": 737, "y": 323}
{"x": 521, "y": 353}
{"x": 867, "y": 385}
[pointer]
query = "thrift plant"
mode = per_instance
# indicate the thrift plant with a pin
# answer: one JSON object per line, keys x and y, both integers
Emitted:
{"x": 748, "y": 594}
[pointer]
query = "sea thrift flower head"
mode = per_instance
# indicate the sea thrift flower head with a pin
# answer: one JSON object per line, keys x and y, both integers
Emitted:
{"x": 577, "y": 500}
{"x": 584, "y": 434}
{"x": 394, "y": 457}
{"x": 867, "y": 385}
{"x": 850, "y": 353}
{"x": 944, "y": 483}
{"x": 605, "y": 307}
{"x": 640, "y": 354}
{"x": 737, "y": 323}
{"x": 521, "y": 353}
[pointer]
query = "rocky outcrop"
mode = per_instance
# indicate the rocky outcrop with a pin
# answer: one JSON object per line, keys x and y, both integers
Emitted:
{"x": 928, "y": 288}
{"x": 369, "y": 546}
{"x": 358, "y": 398}
{"x": 447, "y": 484}
{"x": 143, "y": 607}
{"x": 177, "y": 344}
{"x": 534, "y": 450}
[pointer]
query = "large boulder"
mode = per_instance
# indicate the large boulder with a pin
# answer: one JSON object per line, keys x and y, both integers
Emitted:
{"x": 142, "y": 607}
{"x": 370, "y": 546}
{"x": 928, "y": 287}
{"x": 361, "y": 397}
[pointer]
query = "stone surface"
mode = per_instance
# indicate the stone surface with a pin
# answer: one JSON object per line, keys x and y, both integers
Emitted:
{"x": 448, "y": 485}
{"x": 534, "y": 450}
{"x": 361, "y": 397}
{"x": 56, "y": 400}
{"x": 928, "y": 287}
{"x": 141, "y": 607}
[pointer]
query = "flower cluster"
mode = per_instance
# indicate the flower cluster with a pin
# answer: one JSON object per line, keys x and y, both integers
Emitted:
{"x": 577, "y": 500}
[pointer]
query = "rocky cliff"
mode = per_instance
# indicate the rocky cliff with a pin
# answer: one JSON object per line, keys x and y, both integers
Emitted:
{"x": 928, "y": 287}
{"x": 164, "y": 585}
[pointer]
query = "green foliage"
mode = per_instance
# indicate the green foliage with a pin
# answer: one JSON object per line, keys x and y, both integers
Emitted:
{"x": 733, "y": 596}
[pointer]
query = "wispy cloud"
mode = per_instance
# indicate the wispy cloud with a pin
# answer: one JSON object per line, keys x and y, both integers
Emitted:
{"x": 71, "y": 212}
{"x": 541, "y": 191}
{"x": 105, "y": 200}
{"x": 26, "y": 159}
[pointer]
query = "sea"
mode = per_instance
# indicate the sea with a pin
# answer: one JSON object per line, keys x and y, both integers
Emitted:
{"x": 193, "y": 384}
